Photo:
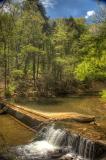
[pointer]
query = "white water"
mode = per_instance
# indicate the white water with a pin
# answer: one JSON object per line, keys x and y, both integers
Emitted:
{"x": 54, "y": 136}
{"x": 43, "y": 148}
{"x": 53, "y": 140}
{"x": 37, "y": 148}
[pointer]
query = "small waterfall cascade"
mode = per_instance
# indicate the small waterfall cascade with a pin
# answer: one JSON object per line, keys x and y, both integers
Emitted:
{"x": 81, "y": 146}
{"x": 55, "y": 137}
{"x": 54, "y": 140}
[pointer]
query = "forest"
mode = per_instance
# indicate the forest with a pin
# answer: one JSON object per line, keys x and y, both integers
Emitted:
{"x": 47, "y": 57}
{"x": 52, "y": 80}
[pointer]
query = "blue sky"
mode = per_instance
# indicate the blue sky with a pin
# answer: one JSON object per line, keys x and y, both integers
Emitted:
{"x": 66, "y": 8}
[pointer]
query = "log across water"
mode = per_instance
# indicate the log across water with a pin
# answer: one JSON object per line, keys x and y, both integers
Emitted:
{"x": 20, "y": 113}
{"x": 36, "y": 120}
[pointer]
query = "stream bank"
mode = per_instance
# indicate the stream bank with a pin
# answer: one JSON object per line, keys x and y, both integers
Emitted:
{"x": 90, "y": 130}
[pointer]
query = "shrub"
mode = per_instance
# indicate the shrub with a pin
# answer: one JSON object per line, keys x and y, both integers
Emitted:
{"x": 10, "y": 90}
{"x": 103, "y": 94}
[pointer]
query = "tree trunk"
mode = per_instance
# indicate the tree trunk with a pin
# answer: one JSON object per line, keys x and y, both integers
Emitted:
{"x": 34, "y": 71}
{"x": 37, "y": 67}
{"x": 5, "y": 69}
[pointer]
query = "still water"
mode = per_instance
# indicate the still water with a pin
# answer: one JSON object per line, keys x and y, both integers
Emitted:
{"x": 91, "y": 105}
{"x": 84, "y": 105}
{"x": 12, "y": 133}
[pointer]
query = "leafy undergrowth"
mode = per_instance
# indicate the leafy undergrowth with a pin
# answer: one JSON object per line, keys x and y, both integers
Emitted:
{"x": 103, "y": 95}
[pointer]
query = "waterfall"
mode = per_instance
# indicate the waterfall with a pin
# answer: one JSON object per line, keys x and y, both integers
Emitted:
{"x": 54, "y": 140}
{"x": 55, "y": 136}
{"x": 81, "y": 146}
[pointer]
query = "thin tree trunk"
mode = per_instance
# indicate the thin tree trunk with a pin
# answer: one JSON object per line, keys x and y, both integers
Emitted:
{"x": 34, "y": 71}
{"x": 5, "y": 69}
{"x": 37, "y": 67}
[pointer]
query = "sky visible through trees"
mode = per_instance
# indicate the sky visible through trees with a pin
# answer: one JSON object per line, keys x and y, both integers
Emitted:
{"x": 47, "y": 57}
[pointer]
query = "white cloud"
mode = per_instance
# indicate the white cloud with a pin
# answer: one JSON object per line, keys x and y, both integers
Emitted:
{"x": 90, "y": 14}
{"x": 48, "y": 3}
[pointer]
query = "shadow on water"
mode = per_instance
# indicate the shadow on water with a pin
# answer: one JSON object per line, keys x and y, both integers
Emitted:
{"x": 39, "y": 101}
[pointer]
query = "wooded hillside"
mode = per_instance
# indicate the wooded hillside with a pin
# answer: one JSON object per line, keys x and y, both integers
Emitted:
{"x": 44, "y": 57}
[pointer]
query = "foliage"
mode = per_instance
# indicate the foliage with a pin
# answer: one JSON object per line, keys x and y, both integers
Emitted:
{"x": 92, "y": 68}
{"x": 47, "y": 56}
{"x": 10, "y": 90}
{"x": 17, "y": 74}
{"x": 103, "y": 94}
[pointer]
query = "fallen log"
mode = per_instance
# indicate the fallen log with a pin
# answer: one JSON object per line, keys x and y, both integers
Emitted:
{"x": 71, "y": 116}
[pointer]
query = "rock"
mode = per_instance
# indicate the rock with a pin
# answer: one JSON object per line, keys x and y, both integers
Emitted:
{"x": 98, "y": 124}
{"x": 5, "y": 157}
{"x": 2, "y": 105}
{"x": 85, "y": 129}
{"x": 3, "y": 110}
{"x": 56, "y": 155}
{"x": 93, "y": 123}
{"x": 66, "y": 158}
{"x": 84, "y": 119}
